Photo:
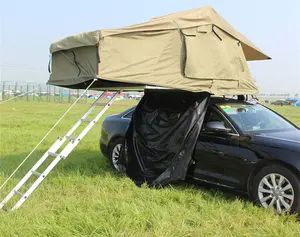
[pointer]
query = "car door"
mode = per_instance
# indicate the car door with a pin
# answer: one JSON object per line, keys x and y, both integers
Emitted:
{"x": 216, "y": 154}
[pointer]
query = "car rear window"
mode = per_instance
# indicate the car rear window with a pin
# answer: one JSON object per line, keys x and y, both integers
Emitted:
{"x": 128, "y": 115}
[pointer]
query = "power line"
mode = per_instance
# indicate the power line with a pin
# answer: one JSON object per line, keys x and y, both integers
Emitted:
{"x": 23, "y": 67}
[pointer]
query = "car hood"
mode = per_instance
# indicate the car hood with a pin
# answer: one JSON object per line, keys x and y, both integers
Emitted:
{"x": 287, "y": 136}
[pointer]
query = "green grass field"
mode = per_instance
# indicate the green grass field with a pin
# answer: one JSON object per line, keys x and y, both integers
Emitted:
{"x": 84, "y": 197}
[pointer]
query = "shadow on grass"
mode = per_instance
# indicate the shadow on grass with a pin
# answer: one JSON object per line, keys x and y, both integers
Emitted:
{"x": 86, "y": 162}
{"x": 92, "y": 163}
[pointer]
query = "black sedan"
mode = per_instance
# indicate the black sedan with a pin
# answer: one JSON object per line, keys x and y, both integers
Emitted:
{"x": 242, "y": 146}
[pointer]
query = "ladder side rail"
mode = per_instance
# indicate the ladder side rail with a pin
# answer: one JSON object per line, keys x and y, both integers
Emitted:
{"x": 71, "y": 145}
{"x": 77, "y": 124}
{"x": 54, "y": 147}
{"x": 65, "y": 152}
{"x": 36, "y": 183}
{"x": 12, "y": 174}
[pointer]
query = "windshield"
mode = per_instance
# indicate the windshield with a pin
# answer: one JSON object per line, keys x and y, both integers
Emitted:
{"x": 254, "y": 117}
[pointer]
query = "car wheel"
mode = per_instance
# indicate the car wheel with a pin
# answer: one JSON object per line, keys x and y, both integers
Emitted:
{"x": 278, "y": 188}
{"x": 115, "y": 150}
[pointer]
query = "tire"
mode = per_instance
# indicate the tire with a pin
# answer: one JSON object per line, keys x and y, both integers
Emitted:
{"x": 283, "y": 195}
{"x": 114, "y": 152}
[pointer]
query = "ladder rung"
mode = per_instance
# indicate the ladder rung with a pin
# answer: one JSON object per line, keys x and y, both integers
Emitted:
{"x": 86, "y": 120}
{"x": 36, "y": 173}
{"x": 71, "y": 138}
{"x": 52, "y": 153}
{"x": 55, "y": 151}
{"x": 17, "y": 192}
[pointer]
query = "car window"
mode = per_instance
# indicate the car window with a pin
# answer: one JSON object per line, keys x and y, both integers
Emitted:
{"x": 128, "y": 115}
{"x": 254, "y": 117}
{"x": 212, "y": 115}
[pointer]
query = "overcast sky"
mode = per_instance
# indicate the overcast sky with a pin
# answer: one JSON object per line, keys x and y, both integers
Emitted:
{"x": 29, "y": 27}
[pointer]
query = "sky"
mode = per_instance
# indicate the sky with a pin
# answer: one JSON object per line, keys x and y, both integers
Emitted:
{"x": 27, "y": 28}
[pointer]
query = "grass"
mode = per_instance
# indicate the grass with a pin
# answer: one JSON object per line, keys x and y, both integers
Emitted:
{"x": 290, "y": 112}
{"x": 84, "y": 197}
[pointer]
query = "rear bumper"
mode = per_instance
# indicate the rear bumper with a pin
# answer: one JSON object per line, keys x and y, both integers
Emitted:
{"x": 104, "y": 148}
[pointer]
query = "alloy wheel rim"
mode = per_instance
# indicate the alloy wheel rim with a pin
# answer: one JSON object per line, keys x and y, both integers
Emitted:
{"x": 275, "y": 191}
{"x": 115, "y": 156}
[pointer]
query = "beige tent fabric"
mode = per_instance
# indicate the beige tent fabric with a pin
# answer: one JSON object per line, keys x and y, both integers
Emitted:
{"x": 208, "y": 16}
{"x": 195, "y": 50}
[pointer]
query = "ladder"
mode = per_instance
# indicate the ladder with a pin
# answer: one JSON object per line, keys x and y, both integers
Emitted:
{"x": 52, "y": 152}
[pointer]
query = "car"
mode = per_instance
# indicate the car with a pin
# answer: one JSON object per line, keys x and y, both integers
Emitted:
{"x": 280, "y": 102}
{"x": 242, "y": 146}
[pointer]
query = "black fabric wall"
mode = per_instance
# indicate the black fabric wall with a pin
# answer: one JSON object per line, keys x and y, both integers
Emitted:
{"x": 162, "y": 136}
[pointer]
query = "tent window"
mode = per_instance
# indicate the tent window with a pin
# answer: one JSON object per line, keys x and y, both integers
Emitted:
{"x": 214, "y": 54}
{"x": 72, "y": 64}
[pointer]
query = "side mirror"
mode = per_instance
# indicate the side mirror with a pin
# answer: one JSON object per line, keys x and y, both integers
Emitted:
{"x": 217, "y": 127}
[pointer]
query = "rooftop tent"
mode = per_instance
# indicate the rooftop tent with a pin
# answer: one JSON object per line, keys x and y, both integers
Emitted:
{"x": 195, "y": 50}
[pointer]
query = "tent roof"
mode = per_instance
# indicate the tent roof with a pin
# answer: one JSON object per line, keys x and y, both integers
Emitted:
{"x": 182, "y": 20}
{"x": 194, "y": 50}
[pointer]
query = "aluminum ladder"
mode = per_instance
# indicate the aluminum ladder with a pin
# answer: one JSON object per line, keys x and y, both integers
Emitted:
{"x": 52, "y": 151}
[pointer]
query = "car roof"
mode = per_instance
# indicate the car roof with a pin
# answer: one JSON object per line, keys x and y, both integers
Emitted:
{"x": 222, "y": 100}
{"x": 127, "y": 111}
{"x": 214, "y": 100}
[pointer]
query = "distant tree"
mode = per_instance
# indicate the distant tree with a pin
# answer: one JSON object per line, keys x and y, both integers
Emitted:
{"x": 296, "y": 95}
